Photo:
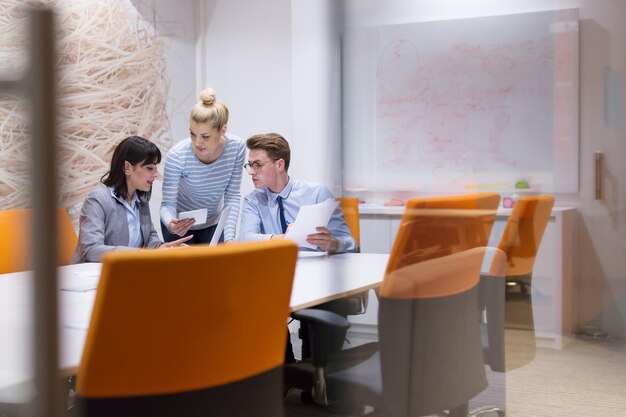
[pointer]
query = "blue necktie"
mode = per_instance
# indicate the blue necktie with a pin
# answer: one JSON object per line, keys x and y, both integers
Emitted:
{"x": 281, "y": 212}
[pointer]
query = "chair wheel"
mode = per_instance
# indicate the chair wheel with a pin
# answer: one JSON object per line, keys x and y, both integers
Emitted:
{"x": 306, "y": 397}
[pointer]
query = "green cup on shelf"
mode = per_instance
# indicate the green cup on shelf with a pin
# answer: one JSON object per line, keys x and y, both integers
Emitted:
{"x": 521, "y": 185}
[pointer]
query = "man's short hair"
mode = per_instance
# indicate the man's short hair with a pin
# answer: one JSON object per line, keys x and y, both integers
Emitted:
{"x": 274, "y": 144}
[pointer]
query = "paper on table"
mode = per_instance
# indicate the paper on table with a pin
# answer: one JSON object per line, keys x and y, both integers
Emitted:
{"x": 308, "y": 218}
{"x": 198, "y": 215}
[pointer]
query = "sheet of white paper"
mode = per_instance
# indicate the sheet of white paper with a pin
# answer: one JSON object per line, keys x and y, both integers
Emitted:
{"x": 199, "y": 215}
{"x": 308, "y": 218}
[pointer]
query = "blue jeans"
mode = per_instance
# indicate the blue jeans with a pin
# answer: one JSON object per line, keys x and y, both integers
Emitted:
{"x": 199, "y": 236}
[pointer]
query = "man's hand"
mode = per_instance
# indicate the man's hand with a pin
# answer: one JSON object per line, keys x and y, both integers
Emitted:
{"x": 180, "y": 227}
{"x": 324, "y": 240}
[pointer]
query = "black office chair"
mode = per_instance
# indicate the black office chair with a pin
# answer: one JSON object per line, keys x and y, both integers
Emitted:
{"x": 492, "y": 308}
{"x": 492, "y": 329}
{"x": 348, "y": 306}
{"x": 430, "y": 359}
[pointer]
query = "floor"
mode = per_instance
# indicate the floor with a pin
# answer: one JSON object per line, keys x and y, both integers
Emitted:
{"x": 579, "y": 376}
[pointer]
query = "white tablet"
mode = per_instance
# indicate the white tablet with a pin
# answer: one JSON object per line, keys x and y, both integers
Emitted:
{"x": 198, "y": 215}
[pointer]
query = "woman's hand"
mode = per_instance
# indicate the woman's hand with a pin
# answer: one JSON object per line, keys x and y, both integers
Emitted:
{"x": 180, "y": 227}
{"x": 176, "y": 243}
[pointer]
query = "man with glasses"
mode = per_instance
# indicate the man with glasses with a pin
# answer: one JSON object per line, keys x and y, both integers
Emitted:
{"x": 268, "y": 210}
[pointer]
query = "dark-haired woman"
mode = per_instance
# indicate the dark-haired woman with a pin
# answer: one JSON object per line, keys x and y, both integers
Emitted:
{"x": 116, "y": 214}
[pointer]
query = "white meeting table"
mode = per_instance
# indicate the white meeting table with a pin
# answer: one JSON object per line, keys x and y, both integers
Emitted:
{"x": 318, "y": 279}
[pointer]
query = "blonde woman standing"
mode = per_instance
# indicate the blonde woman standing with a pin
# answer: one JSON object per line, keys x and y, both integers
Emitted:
{"x": 203, "y": 171}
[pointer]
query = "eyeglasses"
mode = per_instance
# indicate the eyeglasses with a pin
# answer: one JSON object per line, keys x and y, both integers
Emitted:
{"x": 256, "y": 165}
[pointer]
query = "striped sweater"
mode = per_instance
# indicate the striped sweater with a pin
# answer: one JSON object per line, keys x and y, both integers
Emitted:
{"x": 190, "y": 184}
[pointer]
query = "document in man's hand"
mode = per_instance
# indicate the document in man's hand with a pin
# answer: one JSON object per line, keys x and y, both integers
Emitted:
{"x": 308, "y": 218}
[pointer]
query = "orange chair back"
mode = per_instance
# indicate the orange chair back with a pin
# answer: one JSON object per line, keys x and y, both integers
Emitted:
{"x": 16, "y": 235}
{"x": 438, "y": 226}
{"x": 179, "y": 320}
{"x": 436, "y": 277}
{"x": 350, "y": 208}
{"x": 524, "y": 231}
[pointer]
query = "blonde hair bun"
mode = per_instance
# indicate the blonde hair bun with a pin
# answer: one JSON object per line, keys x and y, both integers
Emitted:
{"x": 207, "y": 97}
{"x": 209, "y": 110}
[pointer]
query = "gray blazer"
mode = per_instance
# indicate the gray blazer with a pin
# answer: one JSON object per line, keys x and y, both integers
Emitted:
{"x": 104, "y": 226}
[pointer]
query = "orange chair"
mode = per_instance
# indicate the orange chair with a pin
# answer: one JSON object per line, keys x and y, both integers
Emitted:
{"x": 522, "y": 236}
{"x": 190, "y": 331}
{"x": 513, "y": 264}
{"x": 15, "y": 239}
{"x": 437, "y": 226}
{"x": 520, "y": 242}
{"x": 350, "y": 209}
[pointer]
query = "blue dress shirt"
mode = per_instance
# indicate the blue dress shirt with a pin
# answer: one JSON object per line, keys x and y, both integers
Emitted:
{"x": 260, "y": 218}
{"x": 135, "y": 240}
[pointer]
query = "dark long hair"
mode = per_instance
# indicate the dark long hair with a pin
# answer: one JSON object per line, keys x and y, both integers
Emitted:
{"x": 135, "y": 150}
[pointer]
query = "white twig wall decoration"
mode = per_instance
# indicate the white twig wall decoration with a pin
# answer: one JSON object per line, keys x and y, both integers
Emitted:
{"x": 112, "y": 83}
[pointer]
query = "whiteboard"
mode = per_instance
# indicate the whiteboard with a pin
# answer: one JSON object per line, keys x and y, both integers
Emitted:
{"x": 455, "y": 104}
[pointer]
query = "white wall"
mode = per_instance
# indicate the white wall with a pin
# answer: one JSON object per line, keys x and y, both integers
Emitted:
{"x": 247, "y": 56}
{"x": 174, "y": 23}
{"x": 602, "y": 227}
{"x": 316, "y": 72}
{"x": 276, "y": 65}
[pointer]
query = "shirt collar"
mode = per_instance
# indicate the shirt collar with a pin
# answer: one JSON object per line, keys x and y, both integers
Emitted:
{"x": 284, "y": 193}
{"x": 133, "y": 202}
